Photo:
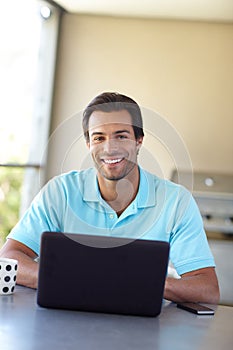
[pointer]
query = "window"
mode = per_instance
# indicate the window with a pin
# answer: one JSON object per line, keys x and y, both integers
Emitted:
{"x": 28, "y": 34}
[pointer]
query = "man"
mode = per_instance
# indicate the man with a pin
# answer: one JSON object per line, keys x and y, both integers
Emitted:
{"x": 119, "y": 198}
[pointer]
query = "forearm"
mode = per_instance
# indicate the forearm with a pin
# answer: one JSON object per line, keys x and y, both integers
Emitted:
{"x": 193, "y": 288}
{"x": 27, "y": 274}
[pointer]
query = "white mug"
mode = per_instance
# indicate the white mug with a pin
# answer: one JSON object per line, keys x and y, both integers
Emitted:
{"x": 8, "y": 273}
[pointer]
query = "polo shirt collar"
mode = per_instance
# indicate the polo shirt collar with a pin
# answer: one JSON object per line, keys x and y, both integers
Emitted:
{"x": 91, "y": 191}
{"x": 146, "y": 193}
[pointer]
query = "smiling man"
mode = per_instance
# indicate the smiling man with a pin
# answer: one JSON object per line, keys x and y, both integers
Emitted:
{"x": 114, "y": 151}
{"x": 119, "y": 198}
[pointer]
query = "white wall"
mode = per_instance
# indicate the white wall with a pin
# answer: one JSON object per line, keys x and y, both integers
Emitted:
{"x": 182, "y": 70}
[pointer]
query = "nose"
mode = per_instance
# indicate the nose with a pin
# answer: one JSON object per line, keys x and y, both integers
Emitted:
{"x": 110, "y": 146}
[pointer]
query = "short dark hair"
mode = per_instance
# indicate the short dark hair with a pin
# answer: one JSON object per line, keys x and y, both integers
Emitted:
{"x": 113, "y": 101}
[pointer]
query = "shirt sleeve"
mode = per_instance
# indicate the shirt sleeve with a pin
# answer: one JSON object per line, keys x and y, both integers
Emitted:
{"x": 189, "y": 246}
{"x": 44, "y": 214}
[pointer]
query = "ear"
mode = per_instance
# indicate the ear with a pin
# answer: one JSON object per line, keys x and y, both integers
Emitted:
{"x": 88, "y": 144}
{"x": 139, "y": 142}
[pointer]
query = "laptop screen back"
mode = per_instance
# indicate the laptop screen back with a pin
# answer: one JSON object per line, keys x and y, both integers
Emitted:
{"x": 102, "y": 274}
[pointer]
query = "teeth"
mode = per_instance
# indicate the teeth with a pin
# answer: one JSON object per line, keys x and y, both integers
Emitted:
{"x": 112, "y": 161}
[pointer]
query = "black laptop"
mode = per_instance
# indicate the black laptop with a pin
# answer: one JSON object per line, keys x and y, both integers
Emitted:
{"x": 102, "y": 274}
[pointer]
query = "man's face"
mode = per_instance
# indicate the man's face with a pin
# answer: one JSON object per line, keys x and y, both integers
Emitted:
{"x": 112, "y": 144}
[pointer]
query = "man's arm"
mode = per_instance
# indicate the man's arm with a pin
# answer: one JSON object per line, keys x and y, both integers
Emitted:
{"x": 195, "y": 286}
{"x": 27, "y": 274}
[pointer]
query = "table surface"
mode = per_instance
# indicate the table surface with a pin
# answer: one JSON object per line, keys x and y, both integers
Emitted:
{"x": 24, "y": 325}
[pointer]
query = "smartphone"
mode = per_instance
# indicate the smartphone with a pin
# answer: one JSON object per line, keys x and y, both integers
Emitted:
{"x": 196, "y": 308}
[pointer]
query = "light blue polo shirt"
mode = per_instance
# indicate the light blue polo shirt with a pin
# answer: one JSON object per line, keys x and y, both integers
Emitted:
{"x": 162, "y": 210}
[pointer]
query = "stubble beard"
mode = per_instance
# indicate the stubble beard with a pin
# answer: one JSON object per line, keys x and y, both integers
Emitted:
{"x": 119, "y": 176}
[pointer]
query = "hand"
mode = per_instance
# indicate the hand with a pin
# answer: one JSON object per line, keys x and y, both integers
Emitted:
{"x": 195, "y": 286}
{"x": 27, "y": 274}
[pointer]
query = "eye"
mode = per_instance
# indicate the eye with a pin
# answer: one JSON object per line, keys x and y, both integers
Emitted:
{"x": 98, "y": 139}
{"x": 121, "y": 137}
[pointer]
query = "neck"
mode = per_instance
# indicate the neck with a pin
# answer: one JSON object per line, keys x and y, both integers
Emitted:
{"x": 119, "y": 194}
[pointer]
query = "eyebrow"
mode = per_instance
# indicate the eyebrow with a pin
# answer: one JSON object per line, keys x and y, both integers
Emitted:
{"x": 122, "y": 131}
{"x": 115, "y": 133}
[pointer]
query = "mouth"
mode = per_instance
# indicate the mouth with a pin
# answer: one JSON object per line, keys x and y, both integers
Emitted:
{"x": 112, "y": 161}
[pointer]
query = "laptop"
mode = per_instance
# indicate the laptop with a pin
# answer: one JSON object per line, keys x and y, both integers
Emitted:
{"x": 102, "y": 274}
